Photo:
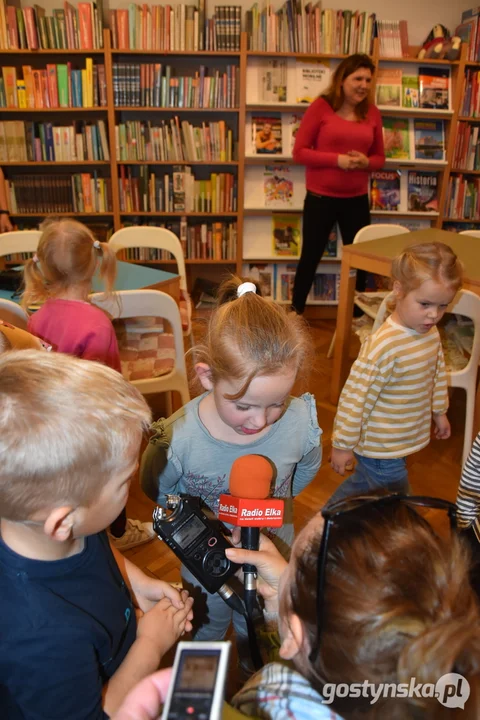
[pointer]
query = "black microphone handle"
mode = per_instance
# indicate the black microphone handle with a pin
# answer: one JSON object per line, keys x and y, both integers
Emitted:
{"x": 250, "y": 537}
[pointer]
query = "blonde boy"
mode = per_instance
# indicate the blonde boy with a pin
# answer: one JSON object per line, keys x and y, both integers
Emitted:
{"x": 70, "y": 644}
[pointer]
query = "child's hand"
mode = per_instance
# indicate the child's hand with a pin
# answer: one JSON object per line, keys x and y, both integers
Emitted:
{"x": 442, "y": 427}
{"x": 164, "y": 624}
{"x": 148, "y": 591}
{"x": 341, "y": 460}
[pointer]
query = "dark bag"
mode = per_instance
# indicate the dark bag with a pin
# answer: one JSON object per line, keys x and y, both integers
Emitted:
{"x": 11, "y": 280}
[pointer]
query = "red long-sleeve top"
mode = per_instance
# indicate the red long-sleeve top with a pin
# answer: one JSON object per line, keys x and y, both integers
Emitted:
{"x": 323, "y": 136}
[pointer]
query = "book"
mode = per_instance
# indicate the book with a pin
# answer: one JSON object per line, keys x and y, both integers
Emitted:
{"x": 429, "y": 139}
{"x": 434, "y": 87}
{"x": 410, "y": 91}
{"x": 273, "y": 81}
{"x": 277, "y": 187}
{"x": 331, "y": 248}
{"x": 312, "y": 78}
{"x": 267, "y": 134}
{"x": 422, "y": 191}
{"x": 286, "y": 234}
{"x": 396, "y": 138}
{"x": 385, "y": 190}
{"x": 263, "y": 275}
{"x": 286, "y": 278}
{"x": 292, "y": 124}
{"x": 389, "y": 87}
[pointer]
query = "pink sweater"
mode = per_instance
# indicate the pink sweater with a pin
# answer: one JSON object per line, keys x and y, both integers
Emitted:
{"x": 323, "y": 136}
{"x": 77, "y": 328}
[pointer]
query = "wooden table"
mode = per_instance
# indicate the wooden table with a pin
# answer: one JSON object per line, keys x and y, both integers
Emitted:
{"x": 376, "y": 256}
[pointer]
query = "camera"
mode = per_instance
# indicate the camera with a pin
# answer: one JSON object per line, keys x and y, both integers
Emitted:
{"x": 189, "y": 533}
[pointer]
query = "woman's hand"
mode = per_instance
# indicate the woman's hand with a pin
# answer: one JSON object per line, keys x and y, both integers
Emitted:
{"x": 361, "y": 160}
{"x": 345, "y": 162}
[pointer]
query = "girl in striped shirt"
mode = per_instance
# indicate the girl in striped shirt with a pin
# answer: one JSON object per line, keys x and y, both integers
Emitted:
{"x": 398, "y": 380}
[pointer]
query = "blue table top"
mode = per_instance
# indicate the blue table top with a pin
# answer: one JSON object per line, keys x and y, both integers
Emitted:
{"x": 129, "y": 277}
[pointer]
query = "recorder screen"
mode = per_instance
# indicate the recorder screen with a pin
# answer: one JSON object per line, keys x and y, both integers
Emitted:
{"x": 197, "y": 671}
{"x": 190, "y": 531}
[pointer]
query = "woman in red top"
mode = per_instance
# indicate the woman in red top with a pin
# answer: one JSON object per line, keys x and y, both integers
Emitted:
{"x": 340, "y": 141}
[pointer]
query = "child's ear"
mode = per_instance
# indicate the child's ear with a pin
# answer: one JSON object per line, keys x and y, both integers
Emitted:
{"x": 292, "y": 638}
{"x": 204, "y": 374}
{"x": 397, "y": 289}
{"x": 59, "y": 523}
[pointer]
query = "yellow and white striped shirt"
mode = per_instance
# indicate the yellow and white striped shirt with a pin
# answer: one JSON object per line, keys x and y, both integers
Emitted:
{"x": 397, "y": 381}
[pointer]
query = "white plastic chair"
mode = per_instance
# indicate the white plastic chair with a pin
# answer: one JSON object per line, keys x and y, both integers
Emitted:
{"x": 141, "y": 303}
{"x": 465, "y": 303}
{"x": 13, "y": 313}
{"x": 472, "y": 233}
{"x": 370, "y": 232}
{"x": 19, "y": 241}
{"x": 159, "y": 239}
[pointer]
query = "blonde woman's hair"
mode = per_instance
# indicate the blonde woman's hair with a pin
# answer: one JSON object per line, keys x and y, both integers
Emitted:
{"x": 67, "y": 426}
{"x": 249, "y": 336}
{"x": 427, "y": 261}
{"x": 66, "y": 256}
{"x": 398, "y": 605}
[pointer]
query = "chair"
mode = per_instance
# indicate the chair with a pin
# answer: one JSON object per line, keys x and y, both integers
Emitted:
{"x": 472, "y": 233}
{"x": 141, "y": 303}
{"x": 159, "y": 239}
{"x": 13, "y": 314}
{"x": 19, "y": 241}
{"x": 370, "y": 232}
{"x": 465, "y": 303}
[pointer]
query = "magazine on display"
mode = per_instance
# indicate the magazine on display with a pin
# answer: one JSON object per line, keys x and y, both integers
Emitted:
{"x": 434, "y": 86}
{"x": 396, "y": 138}
{"x": 312, "y": 79}
{"x": 277, "y": 187}
{"x": 286, "y": 234}
{"x": 410, "y": 91}
{"x": 273, "y": 81}
{"x": 389, "y": 87}
{"x": 264, "y": 275}
{"x": 286, "y": 277}
{"x": 429, "y": 139}
{"x": 385, "y": 190}
{"x": 292, "y": 124}
{"x": 267, "y": 134}
{"x": 422, "y": 191}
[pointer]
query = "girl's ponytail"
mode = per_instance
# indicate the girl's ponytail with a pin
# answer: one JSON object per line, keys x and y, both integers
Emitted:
{"x": 35, "y": 284}
{"x": 108, "y": 267}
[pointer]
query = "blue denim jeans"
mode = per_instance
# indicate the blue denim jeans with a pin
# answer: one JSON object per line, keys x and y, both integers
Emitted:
{"x": 372, "y": 474}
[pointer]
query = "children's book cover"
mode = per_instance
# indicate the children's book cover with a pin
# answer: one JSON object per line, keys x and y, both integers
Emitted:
{"x": 396, "y": 138}
{"x": 389, "y": 87}
{"x": 422, "y": 191}
{"x": 286, "y": 234}
{"x": 385, "y": 190}
{"x": 331, "y": 249}
{"x": 273, "y": 81}
{"x": 312, "y": 78}
{"x": 286, "y": 279}
{"x": 429, "y": 139}
{"x": 277, "y": 187}
{"x": 410, "y": 91}
{"x": 267, "y": 134}
{"x": 292, "y": 125}
{"x": 434, "y": 86}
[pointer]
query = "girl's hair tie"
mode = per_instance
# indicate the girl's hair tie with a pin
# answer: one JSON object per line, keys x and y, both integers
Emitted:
{"x": 35, "y": 258}
{"x": 246, "y": 287}
{"x": 96, "y": 244}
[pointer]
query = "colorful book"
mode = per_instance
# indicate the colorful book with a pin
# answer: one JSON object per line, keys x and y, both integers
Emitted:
{"x": 389, "y": 87}
{"x": 312, "y": 79}
{"x": 263, "y": 275}
{"x": 396, "y": 138}
{"x": 410, "y": 91}
{"x": 422, "y": 191}
{"x": 292, "y": 125}
{"x": 286, "y": 234}
{"x": 267, "y": 134}
{"x": 434, "y": 87}
{"x": 277, "y": 187}
{"x": 429, "y": 139}
{"x": 286, "y": 278}
{"x": 273, "y": 81}
{"x": 385, "y": 190}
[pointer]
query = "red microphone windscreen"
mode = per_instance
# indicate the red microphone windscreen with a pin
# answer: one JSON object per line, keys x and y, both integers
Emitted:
{"x": 250, "y": 477}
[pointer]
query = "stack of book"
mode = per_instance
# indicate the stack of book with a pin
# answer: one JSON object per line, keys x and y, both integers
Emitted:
{"x": 25, "y": 141}
{"x": 467, "y": 148}
{"x": 393, "y": 38}
{"x": 155, "y": 85}
{"x": 68, "y": 28}
{"x": 463, "y": 200}
{"x": 52, "y": 194}
{"x": 471, "y": 94}
{"x": 469, "y": 32}
{"x": 56, "y": 86}
{"x": 174, "y": 141}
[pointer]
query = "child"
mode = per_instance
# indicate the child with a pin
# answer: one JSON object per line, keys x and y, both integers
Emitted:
{"x": 398, "y": 380}
{"x": 60, "y": 276}
{"x": 252, "y": 354}
{"x": 68, "y": 622}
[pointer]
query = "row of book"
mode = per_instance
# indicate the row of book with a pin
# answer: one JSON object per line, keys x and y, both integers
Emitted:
{"x": 80, "y": 192}
{"x": 155, "y": 85}
{"x": 200, "y": 241}
{"x": 471, "y": 94}
{"x": 393, "y": 38}
{"x": 276, "y": 282}
{"x": 297, "y": 27}
{"x": 430, "y": 88}
{"x": 58, "y": 85}
{"x": 175, "y": 28}
{"x": 469, "y": 32}
{"x": 413, "y": 139}
{"x": 144, "y": 191}
{"x": 174, "y": 140}
{"x": 463, "y": 198}
{"x": 72, "y": 28}
{"x": 26, "y": 141}
{"x": 422, "y": 191}
{"x": 467, "y": 148}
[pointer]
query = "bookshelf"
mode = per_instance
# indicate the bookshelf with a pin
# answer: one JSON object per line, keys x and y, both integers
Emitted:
{"x": 247, "y": 221}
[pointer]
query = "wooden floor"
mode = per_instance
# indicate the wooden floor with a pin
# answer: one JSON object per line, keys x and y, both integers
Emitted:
{"x": 433, "y": 471}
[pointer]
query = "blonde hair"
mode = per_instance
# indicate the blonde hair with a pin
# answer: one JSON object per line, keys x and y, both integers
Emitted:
{"x": 66, "y": 256}
{"x": 66, "y": 427}
{"x": 427, "y": 261}
{"x": 398, "y": 604}
{"x": 249, "y": 336}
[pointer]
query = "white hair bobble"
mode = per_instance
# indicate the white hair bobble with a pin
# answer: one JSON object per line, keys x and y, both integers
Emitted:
{"x": 96, "y": 244}
{"x": 246, "y": 287}
{"x": 35, "y": 259}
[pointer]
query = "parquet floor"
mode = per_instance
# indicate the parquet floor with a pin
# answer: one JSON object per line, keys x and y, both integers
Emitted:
{"x": 433, "y": 471}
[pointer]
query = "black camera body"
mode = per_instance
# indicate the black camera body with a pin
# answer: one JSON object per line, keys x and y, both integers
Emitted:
{"x": 190, "y": 534}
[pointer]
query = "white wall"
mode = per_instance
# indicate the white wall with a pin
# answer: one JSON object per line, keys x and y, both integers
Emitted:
{"x": 421, "y": 15}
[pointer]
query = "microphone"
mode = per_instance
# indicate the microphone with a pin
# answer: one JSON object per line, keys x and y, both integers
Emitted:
{"x": 249, "y": 507}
